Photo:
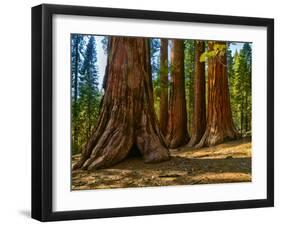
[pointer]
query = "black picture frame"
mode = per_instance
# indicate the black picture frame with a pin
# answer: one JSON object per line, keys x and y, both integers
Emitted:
{"x": 42, "y": 111}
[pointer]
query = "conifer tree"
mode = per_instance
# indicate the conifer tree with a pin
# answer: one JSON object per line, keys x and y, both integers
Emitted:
{"x": 76, "y": 63}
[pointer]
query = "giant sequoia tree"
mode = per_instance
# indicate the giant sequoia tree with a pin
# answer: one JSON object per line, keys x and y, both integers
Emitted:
{"x": 127, "y": 115}
{"x": 177, "y": 134}
{"x": 220, "y": 126}
{"x": 163, "y": 114}
{"x": 199, "y": 114}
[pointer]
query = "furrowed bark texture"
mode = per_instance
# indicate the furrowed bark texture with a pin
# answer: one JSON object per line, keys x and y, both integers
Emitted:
{"x": 163, "y": 114}
{"x": 127, "y": 116}
{"x": 199, "y": 114}
{"x": 220, "y": 126}
{"x": 177, "y": 134}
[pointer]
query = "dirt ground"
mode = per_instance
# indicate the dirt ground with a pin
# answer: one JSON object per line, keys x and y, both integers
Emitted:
{"x": 224, "y": 163}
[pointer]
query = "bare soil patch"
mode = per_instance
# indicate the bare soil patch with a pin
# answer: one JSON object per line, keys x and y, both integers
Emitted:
{"x": 225, "y": 163}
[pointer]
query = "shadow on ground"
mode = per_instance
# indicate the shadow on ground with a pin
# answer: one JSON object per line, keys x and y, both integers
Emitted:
{"x": 226, "y": 163}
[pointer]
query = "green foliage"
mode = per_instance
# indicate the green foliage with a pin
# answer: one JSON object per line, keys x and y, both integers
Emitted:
{"x": 155, "y": 70}
{"x": 189, "y": 70}
{"x": 85, "y": 107}
{"x": 218, "y": 50}
{"x": 156, "y": 94}
{"x": 77, "y": 43}
{"x": 104, "y": 43}
{"x": 240, "y": 74}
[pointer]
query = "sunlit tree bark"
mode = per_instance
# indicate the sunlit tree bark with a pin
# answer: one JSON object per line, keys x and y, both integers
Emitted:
{"x": 177, "y": 134}
{"x": 199, "y": 113}
{"x": 220, "y": 126}
{"x": 127, "y": 116}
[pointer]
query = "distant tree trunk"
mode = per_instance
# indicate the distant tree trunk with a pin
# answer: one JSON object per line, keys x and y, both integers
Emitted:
{"x": 177, "y": 134}
{"x": 242, "y": 115}
{"x": 163, "y": 85}
{"x": 104, "y": 82}
{"x": 220, "y": 126}
{"x": 199, "y": 114}
{"x": 89, "y": 107}
{"x": 246, "y": 116}
{"x": 127, "y": 116}
{"x": 190, "y": 106}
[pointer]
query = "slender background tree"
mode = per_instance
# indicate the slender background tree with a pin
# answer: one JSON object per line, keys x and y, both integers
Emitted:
{"x": 189, "y": 72}
{"x": 163, "y": 114}
{"x": 199, "y": 110}
{"x": 177, "y": 134}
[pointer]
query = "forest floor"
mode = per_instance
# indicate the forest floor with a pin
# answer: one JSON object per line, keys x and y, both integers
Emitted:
{"x": 224, "y": 163}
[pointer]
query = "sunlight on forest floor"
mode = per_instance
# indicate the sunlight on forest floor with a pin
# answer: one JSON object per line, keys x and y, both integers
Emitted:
{"x": 224, "y": 163}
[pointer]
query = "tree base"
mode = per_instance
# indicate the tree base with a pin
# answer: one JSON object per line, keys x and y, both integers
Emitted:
{"x": 127, "y": 117}
{"x": 211, "y": 139}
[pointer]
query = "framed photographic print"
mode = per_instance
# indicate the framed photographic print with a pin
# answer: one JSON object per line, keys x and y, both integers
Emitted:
{"x": 146, "y": 112}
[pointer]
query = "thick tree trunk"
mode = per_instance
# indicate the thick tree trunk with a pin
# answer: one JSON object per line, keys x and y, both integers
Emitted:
{"x": 199, "y": 114}
{"x": 177, "y": 134}
{"x": 220, "y": 126}
{"x": 163, "y": 116}
{"x": 127, "y": 116}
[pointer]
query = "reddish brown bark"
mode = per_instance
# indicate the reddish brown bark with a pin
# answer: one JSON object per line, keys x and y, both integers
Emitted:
{"x": 127, "y": 116}
{"x": 220, "y": 125}
{"x": 177, "y": 134}
{"x": 199, "y": 113}
{"x": 163, "y": 114}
